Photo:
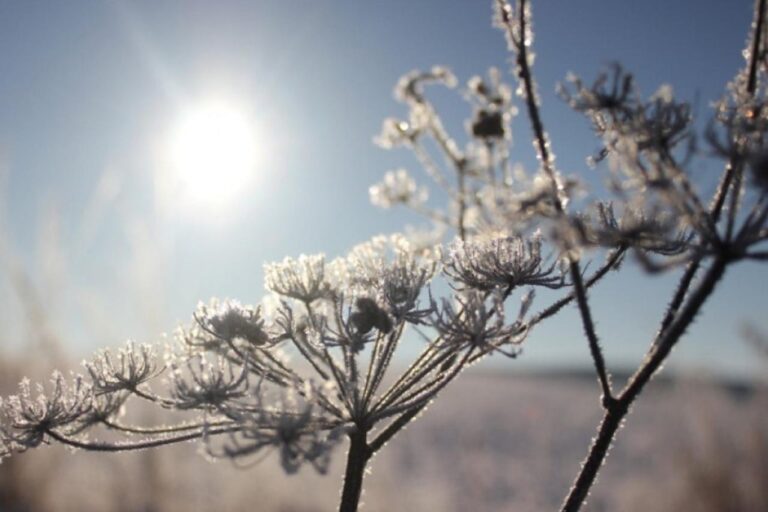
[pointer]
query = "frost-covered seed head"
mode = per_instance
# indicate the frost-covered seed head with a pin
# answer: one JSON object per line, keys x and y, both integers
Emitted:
{"x": 500, "y": 263}
{"x": 203, "y": 385}
{"x": 126, "y": 370}
{"x": 302, "y": 279}
{"x": 476, "y": 320}
{"x": 397, "y": 187}
{"x": 296, "y": 432}
{"x": 28, "y": 419}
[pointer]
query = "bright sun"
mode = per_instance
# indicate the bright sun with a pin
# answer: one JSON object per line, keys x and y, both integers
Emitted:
{"x": 212, "y": 156}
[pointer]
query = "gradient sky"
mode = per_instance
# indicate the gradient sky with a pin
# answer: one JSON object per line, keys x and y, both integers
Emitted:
{"x": 89, "y": 91}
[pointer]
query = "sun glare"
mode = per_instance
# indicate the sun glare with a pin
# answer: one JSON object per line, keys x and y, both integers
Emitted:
{"x": 213, "y": 156}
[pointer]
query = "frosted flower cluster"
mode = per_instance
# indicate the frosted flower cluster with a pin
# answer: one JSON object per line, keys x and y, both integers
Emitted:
{"x": 501, "y": 263}
{"x": 476, "y": 321}
{"x": 410, "y": 87}
{"x": 293, "y": 432}
{"x": 657, "y": 234}
{"x": 129, "y": 368}
{"x": 233, "y": 373}
{"x": 28, "y": 417}
{"x": 301, "y": 279}
{"x": 207, "y": 384}
{"x": 397, "y": 187}
{"x": 492, "y": 100}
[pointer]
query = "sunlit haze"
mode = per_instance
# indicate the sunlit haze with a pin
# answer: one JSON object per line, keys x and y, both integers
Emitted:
{"x": 157, "y": 154}
{"x": 213, "y": 156}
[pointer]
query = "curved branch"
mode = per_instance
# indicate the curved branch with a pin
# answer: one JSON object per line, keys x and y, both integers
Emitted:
{"x": 142, "y": 445}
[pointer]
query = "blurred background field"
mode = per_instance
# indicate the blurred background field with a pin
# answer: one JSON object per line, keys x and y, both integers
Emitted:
{"x": 493, "y": 442}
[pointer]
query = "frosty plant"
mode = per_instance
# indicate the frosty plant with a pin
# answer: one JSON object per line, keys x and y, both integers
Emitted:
{"x": 314, "y": 368}
{"x": 231, "y": 370}
{"x": 657, "y": 213}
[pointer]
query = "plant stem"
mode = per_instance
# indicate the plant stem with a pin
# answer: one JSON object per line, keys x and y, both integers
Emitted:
{"x": 357, "y": 459}
{"x": 591, "y": 466}
{"x": 618, "y": 409}
{"x": 462, "y": 201}
{"x": 589, "y": 330}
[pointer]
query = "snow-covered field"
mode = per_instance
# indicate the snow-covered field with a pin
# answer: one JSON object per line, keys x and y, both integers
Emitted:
{"x": 489, "y": 443}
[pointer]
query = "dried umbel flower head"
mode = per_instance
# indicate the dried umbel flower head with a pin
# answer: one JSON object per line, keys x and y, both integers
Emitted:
{"x": 226, "y": 326}
{"x": 126, "y": 370}
{"x": 475, "y": 320}
{"x": 397, "y": 187}
{"x": 501, "y": 263}
{"x": 493, "y": 107}
{"x": 409, "y": 89}
{"x": 652, "y": 232}
{"x": 29, "y": 419}
{"x": 395, "y": 132}
{"x": 302, "y": 279}
{"x": 228, "y": 322}
{"x": 612, "y": 92}
{"x": 206, "y": 385}
{"x": 386, "y": 266}
{"x": 105, "y": 407}
{"x": 291, "y": 427}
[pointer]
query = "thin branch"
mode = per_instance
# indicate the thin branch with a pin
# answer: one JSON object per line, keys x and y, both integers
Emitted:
{"x": 160, "y": 430}
{"x": 611, "y": 262}
{"x": 589, "y": 331}
{"x": 393, "y": 428}
{"x": 754, "y": 57}
{"x": 677, "y": 299}
{"x": 462, "y": 178}
{"x": 757, "y": 255}
{"x": 142, "y": 445}
{"x": 620, "y": 407}
{"x": 675, "y": 330}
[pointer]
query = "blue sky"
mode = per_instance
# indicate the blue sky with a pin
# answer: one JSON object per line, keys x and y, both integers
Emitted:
{"x": 89, "y": 91}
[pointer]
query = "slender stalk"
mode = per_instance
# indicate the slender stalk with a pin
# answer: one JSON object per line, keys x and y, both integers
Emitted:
{"x": 394, "y": 427}
{"x": 525, "y": 76}
{"x": 618, "y": 409}
{"x": 610, "y": 263}
{"x": 754, "y": 57}
{"x": 96, "y": 446}
{"x": 462, "y": 202}
{"x": 595, "y": 458}
{"x": 357, "y": 459}
{"x": 531, "y": 98}
{"x": 589, "y": 331}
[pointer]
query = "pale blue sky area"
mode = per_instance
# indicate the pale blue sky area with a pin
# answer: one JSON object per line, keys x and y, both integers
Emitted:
{"x": 90, "y": 89}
